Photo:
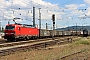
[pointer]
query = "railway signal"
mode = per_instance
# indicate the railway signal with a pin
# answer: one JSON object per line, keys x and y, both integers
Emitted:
{"x": 53, "y": 19}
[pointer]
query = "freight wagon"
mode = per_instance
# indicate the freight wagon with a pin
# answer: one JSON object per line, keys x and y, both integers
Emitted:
{"x": 45, "y": 33}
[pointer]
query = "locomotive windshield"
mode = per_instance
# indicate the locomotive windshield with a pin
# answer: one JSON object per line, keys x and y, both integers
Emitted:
{"x": 10, "y": 27}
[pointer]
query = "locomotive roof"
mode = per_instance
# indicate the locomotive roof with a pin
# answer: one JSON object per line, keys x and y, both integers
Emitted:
{"x": 24, "y": 25}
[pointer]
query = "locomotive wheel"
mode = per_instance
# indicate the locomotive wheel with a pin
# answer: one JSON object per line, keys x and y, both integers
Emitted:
{"x": 15, "y": 39}
{"x": 33, "y": 37}
{"x": 26, "y": 38}
{"x": 8, "y": 40}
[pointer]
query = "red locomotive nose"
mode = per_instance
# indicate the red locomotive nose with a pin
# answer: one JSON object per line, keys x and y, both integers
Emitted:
{"x": 9, "y": 32}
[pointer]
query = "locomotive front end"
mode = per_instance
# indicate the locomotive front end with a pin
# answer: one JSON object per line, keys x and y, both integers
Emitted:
{"x": 9, "y": 32}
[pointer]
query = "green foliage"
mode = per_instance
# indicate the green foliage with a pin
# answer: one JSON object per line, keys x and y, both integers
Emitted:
{"x": 1, "y": 29}
{"x": 83, "y": 42}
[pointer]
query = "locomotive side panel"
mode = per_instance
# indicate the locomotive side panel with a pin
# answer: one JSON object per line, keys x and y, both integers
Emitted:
{"x": 29, "y": 31}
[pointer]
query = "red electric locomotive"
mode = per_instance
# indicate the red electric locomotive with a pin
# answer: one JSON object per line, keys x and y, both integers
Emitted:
{"x": 17, "y": 31}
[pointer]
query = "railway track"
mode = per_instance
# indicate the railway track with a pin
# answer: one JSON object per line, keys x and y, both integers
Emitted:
{"x": 67, "y": 56}
{"x": 6, "y": 44}
{"x": 77, "y": 55}
{"x": 7, "y": 48}
{"x": 21, "y": 42}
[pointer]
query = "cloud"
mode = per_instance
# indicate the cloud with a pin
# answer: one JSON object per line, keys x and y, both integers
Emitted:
{"x": 87, "y": 1}
{"x": 82, "y": 5}
{"x": 88, "y": 11}
{"x": 71, "y": 6}
{"x": 88, "y": 8}
{"x": 75, "y": 10}
{"x": 47, "y": 8}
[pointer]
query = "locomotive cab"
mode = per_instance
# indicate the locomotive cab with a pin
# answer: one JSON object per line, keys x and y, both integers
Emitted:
{"x": 85, "y": 33}
{"x": 9, "y": 32}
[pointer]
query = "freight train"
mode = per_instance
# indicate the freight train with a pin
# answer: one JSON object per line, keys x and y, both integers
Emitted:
{"x": 14, "y": 32}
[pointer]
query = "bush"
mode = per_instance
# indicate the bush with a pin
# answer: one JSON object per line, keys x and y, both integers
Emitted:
{"x": 83, "y": 42}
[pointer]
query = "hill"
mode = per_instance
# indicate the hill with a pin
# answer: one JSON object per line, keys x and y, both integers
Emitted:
{"x": 78, "y": 28}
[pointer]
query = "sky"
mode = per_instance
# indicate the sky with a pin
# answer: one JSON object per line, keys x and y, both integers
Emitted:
{"x": 67, "y": 12}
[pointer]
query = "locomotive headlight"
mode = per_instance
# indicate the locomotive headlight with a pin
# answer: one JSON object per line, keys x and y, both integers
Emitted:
{"x": 6, "y": 33}
{"x": 12, "y": 33}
